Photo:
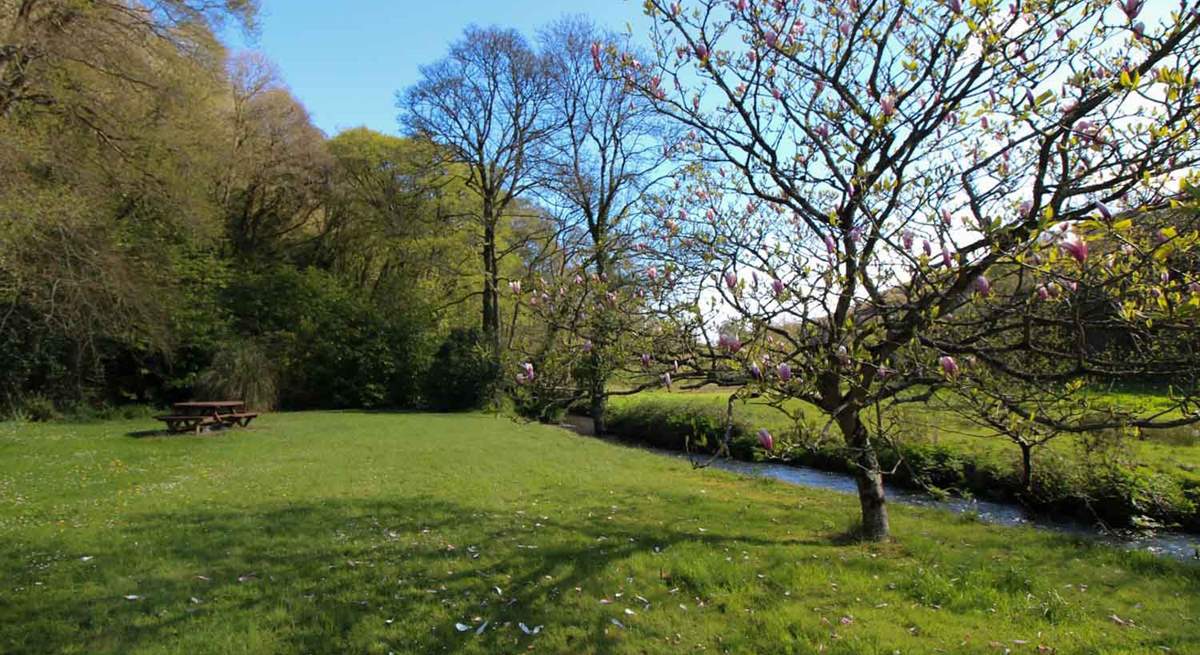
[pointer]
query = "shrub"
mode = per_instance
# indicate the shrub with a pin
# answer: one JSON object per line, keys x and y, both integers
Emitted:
{"x": 678, "y": 426}
{"x": 36, "y": 408}
{"x": 242, "y": 371}
{"x": 463, "y": 375}
{"x": 331, "y": 346}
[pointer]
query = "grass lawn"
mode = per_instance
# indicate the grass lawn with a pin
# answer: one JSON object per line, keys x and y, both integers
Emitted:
{"x": 1176, "y": 453}
{"x": 377, "y": 533}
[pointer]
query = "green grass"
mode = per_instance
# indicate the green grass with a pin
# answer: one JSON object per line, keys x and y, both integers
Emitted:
{"x": 1175, "y": 452}
{"x": 376, "y": 533}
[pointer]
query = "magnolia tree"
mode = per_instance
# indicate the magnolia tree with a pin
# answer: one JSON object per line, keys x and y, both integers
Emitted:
{"x": 894, "y": 198}
{"x": 604, "y": 157}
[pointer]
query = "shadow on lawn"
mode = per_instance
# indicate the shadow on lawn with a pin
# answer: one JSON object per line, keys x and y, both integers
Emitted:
{"x": 362, "y": 576}
{"x": 329, "y": 577}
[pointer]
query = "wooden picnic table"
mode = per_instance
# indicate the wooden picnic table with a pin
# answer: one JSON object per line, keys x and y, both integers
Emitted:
{"x": 195, "y": 415}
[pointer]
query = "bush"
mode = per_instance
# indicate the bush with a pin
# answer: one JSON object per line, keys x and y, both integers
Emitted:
{"x": 36, "y": 408}
{"x": 678, "y": 426}
{"x": 330, "y": 346}
{"x": 463, "y": 375}
{"x": 241, "y": 371}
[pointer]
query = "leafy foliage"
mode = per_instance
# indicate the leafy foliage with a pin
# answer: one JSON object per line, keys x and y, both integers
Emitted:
{"x": 463, "y": 374}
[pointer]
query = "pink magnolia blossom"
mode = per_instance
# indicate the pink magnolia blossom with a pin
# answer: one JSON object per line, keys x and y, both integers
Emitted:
{"x": 729, "y": 342}
{"x": 1043, "y": 293}
{"x": 755, "y": 372}
{"x": 1131, "y": 8}
{"x": 947, "y": 257}
{"x": 955, "y": 6}
{"x": 652, "y": 273}
{"x": 982, "y": 286}
{"x": 646, "y": 360}
{"x": 1076, "y": 248}
{"x": 765, "y": 439}
{"x": 731, "y": 279}
{"x": 830, "y": 244}
{"x": 1105, "y": 212}
{"x": 666, "y": 378}
{"x": 515, "y": 287}
{"x": 777, "y": 286}
{"x": 785, "y": 372}
{"x": 888, "y": 104}
{"x": 587, "y": 345}
{"x": 949, "y": 366}
{"x": 907, "y": 239}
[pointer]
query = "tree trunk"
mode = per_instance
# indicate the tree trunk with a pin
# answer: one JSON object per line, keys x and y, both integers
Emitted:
{"x": 1026, "y": 466}
{"x": 599, "y": 408}
{"x": 599, "y": 379}
{"x": 491, "y": 279}
{"x": 869, "y": 478}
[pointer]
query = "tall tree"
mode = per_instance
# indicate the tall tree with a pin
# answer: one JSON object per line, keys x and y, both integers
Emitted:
{"x": 486, "y": 105}
{"x": 603, "y": 162}
{"x": 279, "y": 166}
{"x": 935, "y": 194}
{"x": 109, "y": 133}
{"x": 47, "y": 44}
{"x": 390, "y": 225}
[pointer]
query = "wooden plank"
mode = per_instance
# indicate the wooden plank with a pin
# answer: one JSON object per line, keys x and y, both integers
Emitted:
{"x": 209, "y": 404}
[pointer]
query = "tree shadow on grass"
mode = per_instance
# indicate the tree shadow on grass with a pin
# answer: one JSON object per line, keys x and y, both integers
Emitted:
{"x": 352, "y": 575}
{"x": 339, "y": 576}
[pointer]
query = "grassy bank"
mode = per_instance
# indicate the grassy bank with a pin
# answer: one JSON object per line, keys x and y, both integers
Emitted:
{"x": 1129, "y": 482}
{"x": 378, "y": 533}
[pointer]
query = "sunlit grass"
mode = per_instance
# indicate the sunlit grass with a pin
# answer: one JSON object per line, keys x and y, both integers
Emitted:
{"x": 378, "y": 533}
{"x": 1175, "y": 451}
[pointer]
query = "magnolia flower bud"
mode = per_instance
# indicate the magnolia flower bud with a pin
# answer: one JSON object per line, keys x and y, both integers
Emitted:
{"x": 765, "y": 439}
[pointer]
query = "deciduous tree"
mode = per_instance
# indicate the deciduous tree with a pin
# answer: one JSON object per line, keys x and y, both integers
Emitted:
{"x": 898, "y": 197}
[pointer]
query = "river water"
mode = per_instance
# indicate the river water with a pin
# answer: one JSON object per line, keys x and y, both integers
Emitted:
{"x": 1165, "y": 543}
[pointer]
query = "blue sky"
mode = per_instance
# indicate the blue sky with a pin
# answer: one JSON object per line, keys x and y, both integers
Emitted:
{"x": 346, "y": 59}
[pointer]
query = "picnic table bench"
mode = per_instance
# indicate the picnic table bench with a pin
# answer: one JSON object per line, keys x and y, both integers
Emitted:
{"x": 194, "y": 416}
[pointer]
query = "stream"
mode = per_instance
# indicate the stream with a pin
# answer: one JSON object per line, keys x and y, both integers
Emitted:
{"x": 1164, "y": 543}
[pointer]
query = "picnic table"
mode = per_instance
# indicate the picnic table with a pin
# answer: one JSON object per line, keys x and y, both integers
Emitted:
{"x": 196, "y": 415}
